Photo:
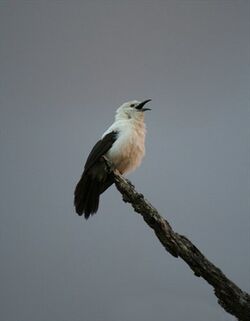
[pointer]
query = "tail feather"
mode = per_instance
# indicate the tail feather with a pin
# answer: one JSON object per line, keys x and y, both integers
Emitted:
{"x": 92, "y": 199}
{"x": 86, "y": 196}
{"x": 88, "y": 190}
{"x": 80, "y": 195}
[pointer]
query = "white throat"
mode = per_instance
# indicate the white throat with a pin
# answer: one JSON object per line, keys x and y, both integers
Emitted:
{"x": 128, "y": 150}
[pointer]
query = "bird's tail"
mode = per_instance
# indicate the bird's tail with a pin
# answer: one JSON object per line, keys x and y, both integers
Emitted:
{"x": 88, "y": 190}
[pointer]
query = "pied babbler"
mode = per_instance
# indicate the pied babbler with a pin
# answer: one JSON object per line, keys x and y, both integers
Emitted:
{"x": 123, "y": 144}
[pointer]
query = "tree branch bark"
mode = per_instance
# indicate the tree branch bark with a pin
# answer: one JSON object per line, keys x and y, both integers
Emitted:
{"x": 230, "y": 296}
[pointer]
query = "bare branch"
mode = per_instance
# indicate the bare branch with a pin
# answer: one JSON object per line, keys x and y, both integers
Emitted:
{"x": 230, "y": 296}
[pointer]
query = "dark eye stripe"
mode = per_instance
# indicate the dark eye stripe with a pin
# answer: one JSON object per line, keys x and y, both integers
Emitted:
{"x": 132, "y": 105}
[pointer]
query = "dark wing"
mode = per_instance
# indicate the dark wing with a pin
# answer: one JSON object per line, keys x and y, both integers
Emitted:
{"x": 94, "y": 179}
{"x": 100, "y": 148}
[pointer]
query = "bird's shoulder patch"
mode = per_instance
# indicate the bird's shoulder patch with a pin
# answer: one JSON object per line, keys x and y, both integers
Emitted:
{"x": 100, "y": 148}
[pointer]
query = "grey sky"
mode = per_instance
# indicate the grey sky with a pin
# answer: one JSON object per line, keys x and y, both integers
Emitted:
{"x": 65, "y": 68}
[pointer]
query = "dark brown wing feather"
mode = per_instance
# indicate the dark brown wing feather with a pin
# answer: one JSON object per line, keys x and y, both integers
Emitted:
{"x": 94, "y": 180}
{"x": 100, "y": 148}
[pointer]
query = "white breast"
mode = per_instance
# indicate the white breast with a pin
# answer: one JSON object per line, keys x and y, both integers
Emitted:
{"x": 128, "y": 150}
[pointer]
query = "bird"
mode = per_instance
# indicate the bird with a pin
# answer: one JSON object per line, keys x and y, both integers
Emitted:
{"x": 123, "y": 145}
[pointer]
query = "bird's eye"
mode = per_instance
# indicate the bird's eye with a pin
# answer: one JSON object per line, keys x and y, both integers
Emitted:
{"x": 132, "y": 105}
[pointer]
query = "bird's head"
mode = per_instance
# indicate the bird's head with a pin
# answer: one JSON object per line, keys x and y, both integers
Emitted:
{"x": 132, "y": 110}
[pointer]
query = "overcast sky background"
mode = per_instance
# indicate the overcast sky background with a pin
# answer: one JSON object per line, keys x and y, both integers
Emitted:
{"x": 65, "y": 68}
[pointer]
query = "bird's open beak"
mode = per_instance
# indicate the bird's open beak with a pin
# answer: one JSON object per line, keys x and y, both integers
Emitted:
{"x": 140, "y": 106}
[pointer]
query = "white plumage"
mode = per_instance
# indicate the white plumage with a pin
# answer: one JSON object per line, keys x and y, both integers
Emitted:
{"x": 123, "y": 143}
{"x": 128, "y": 150}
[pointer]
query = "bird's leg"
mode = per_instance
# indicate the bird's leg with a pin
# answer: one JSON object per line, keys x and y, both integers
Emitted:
{"x": 117, "y": 172}
{"x": 111, "y": 166}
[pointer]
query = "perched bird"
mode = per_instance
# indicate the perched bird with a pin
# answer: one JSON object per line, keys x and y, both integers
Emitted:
{"x": 123, "y": 145}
